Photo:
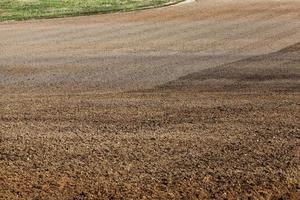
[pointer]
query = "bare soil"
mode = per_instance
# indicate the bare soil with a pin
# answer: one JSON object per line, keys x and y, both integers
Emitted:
{"x": 198, "y": 101}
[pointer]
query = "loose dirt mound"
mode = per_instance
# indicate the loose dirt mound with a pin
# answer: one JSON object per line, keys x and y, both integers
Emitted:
{"x": 275, "y": 71}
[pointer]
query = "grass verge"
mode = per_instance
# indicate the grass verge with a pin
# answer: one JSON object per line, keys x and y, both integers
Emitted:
{"x": 36, "y": 9}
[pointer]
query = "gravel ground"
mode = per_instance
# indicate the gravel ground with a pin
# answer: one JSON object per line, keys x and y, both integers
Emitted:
{"x": 198, "y": 101}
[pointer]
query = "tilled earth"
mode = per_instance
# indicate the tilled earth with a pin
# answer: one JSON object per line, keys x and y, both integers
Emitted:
{"x": 198, "y": 101}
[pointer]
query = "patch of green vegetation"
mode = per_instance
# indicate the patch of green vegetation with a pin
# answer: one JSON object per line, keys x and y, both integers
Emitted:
{"x": 34, "y": 9}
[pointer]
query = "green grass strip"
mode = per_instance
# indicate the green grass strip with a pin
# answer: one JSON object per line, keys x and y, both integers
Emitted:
{"x": 37, "y": 9}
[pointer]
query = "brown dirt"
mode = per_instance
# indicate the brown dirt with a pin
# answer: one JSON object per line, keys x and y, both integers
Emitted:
{"x": 278, "y": 71}
{"x": 200, "y": 101}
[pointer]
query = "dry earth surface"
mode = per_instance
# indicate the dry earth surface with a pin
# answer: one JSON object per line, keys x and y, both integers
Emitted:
{"x": 197, "y": 101}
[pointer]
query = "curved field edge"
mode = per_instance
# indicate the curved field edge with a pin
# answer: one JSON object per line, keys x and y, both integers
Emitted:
{"x": 18, "y": 10}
